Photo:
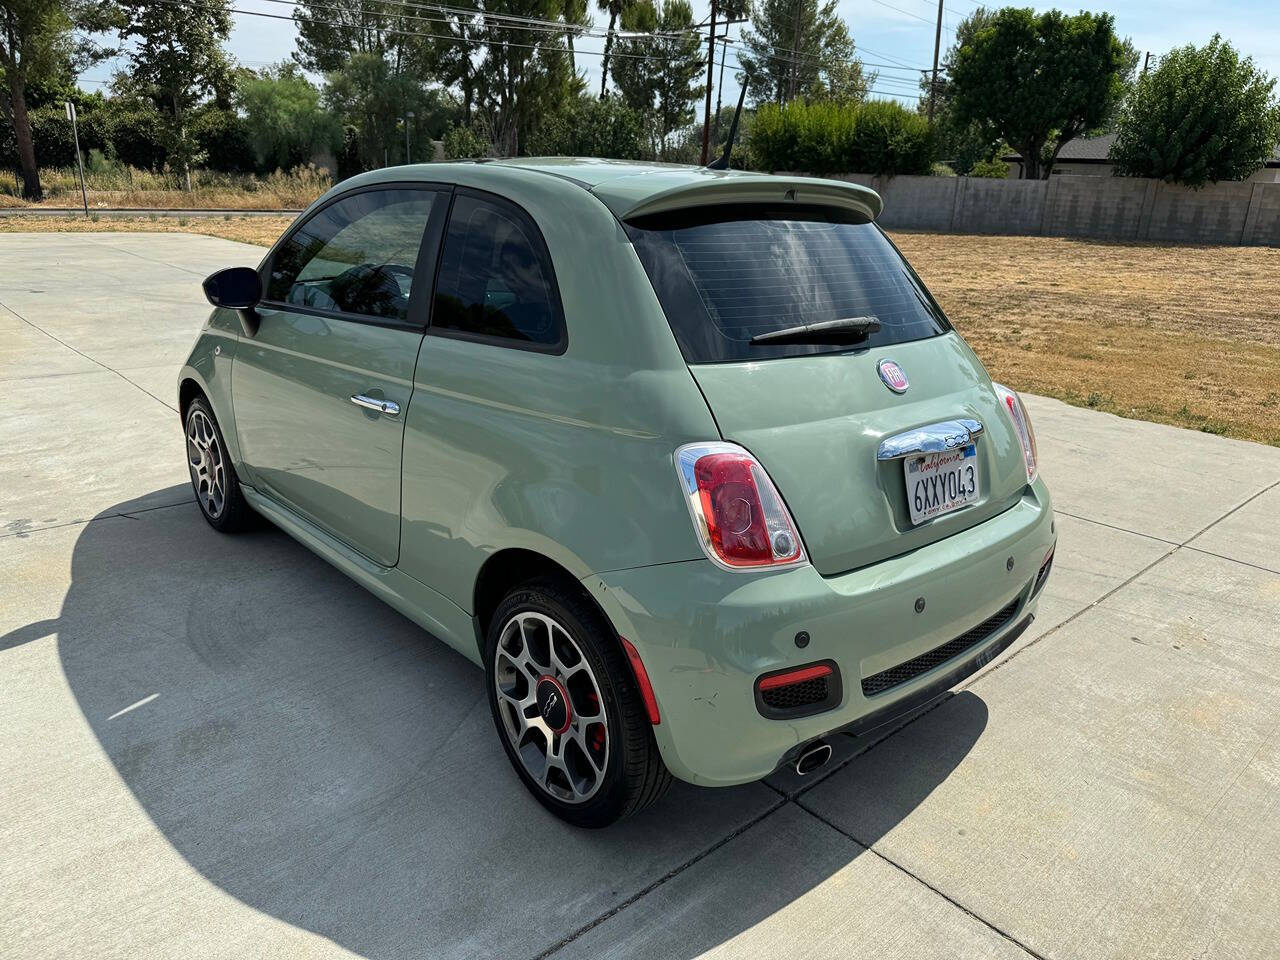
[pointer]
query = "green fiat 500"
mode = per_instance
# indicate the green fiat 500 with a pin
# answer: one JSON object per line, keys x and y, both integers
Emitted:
{"x": 688, "y": 461}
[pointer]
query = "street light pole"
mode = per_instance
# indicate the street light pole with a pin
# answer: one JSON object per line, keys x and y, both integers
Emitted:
{"x": 71, "y": 115}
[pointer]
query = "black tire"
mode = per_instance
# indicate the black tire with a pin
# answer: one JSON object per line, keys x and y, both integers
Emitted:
{"x": 230, "y": 513}
{"x": 634, "y": 775}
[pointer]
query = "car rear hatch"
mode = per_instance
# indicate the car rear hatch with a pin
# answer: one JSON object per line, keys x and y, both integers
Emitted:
{"x": 816, "y": 408}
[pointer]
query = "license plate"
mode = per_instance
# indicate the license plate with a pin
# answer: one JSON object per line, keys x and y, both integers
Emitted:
{"x": 939, "y": 483}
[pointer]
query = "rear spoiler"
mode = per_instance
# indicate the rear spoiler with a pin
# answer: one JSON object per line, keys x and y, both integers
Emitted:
{"x": 663, "y": 191}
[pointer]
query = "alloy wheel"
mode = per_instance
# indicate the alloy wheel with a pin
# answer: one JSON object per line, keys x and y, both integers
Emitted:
{"x": 208, "y": 468}
{"x": 550, "y": 704}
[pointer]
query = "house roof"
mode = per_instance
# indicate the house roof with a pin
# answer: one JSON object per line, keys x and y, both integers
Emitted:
{"x": 1098, "y": 150}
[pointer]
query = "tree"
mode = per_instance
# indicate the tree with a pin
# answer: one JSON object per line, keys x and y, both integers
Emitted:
{"x": 960, "y": 144}
{"x": 286, "y": 121}
{"x": 1203, "y": 115}
{"x": 373, "y": 102}
{"x": 453, "y": 51}
{"x": 659, "y": 74}
{"x": 36, "y": 43}
{"x": 177, "y": 59}
{"x": 330, "y": 31}
{"x": 524, "y": 74}
{"x": 615, "y": 9}
{"x": 800, "y": 48}
{"x": 1038, "y": 81}
{"x": 574, "y": 14}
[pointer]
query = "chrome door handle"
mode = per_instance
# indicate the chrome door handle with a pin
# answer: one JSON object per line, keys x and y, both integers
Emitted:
{"x": 389, "y": 407}
{"x": 935, "y": 438}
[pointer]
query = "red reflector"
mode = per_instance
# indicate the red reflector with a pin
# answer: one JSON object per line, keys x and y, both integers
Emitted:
{"x": 795, "y": 676}
{"x": 642, "y": 680}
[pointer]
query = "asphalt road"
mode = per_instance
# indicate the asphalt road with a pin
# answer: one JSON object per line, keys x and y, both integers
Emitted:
{"x": 215, "y": 746}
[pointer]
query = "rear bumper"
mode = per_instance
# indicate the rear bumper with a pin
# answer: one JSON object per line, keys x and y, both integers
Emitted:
{"x": 706, "y": 634}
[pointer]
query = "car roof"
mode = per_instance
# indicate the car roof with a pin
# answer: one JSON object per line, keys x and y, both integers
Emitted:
{"x": 632, "y": 189}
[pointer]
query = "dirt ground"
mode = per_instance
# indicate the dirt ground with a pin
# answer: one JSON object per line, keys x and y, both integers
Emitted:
{"x": 1175, "y": 334}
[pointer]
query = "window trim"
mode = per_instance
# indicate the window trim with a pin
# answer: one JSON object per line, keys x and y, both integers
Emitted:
{"x": 428, "y": 248}
{"x": 535, "y": 234}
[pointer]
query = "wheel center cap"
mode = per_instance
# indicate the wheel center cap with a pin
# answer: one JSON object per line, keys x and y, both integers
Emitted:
{"x": 553, "y": 704}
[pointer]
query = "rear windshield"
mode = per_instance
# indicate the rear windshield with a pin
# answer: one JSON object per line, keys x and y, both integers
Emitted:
{"x": 726, "y": 274}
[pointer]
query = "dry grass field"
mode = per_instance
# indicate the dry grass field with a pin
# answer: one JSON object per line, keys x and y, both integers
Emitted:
{"x": 112, "y": 185}
{"x": 262, "y": 230}
{"x": 1175, "y": 334}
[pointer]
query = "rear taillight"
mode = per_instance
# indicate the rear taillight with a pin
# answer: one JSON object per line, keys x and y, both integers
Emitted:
{"x": 1012, "y": 404}
{"x": 741, "y": 521}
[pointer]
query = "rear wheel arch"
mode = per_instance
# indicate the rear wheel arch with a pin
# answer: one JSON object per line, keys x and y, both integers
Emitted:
{"x": 509, "y": 568}
{"x": 506, "y": 569}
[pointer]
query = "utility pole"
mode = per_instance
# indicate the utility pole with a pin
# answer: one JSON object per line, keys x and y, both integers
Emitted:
{"x": 711, "y": 66}
{"x": 1145, "y": 63}
{"x": 408, "y": 119}
{"x": 724, "y": 53}
{"x": 933, "y": 77}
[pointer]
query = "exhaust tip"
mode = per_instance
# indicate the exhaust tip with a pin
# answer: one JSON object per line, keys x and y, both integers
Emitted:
{"x": 813, "y": 757}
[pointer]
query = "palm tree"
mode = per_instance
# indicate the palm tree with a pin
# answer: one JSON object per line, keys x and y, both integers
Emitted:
{"x": 574, "y": 14}
{"x": 614, "y": 9}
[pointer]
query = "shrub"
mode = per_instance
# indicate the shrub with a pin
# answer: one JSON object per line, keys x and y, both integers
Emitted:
{"x": 133, "y": 134}
{"x": 463, "y": 143}
{"x": 879, "y": 136}
{"x": 51, "y": 134}
{"x": 941, "y": 170}
{"x": 223, "y": 138}
{"x": 591, "y": 128}
{"x": 995, "y": 169}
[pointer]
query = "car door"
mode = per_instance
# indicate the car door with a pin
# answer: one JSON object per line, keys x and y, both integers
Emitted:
{"x": 491, "y": 386}
{"x": 321, "y": 391}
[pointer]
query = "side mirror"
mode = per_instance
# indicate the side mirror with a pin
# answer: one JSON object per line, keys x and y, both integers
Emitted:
{"x": 239, "y": 289}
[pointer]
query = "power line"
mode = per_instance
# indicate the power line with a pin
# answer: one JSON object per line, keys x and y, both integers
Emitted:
{"x": 950, "y": 10}
{"x": 477, "y": 41}
{"x": 798, "y": 57}
{"x": 881, "y": 53}
{"x": 435, "y": 36}
{"x": 908, "y": 13}
{"x": 553, "y": 26}
{"x": 490, "y": 20}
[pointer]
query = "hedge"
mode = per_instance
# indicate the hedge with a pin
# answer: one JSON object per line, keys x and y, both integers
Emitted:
{"x": 877, "y": 136}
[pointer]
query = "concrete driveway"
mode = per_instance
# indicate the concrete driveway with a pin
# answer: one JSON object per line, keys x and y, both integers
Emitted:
{"x": 215, "y": 746}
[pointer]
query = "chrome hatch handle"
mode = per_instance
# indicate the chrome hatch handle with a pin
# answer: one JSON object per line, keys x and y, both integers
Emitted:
{"x": 934, "y": 438}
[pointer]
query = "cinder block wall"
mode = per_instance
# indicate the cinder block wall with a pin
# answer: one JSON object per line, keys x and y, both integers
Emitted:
{"x": 1110, "y": 208}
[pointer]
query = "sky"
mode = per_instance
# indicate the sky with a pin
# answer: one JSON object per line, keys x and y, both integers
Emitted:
{"x": 895, "y": 34}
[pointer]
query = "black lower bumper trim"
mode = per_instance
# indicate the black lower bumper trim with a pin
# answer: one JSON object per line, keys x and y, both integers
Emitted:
{"x": 887, "y": 714}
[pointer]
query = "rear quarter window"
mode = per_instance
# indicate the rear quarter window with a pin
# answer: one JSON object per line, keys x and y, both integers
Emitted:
{"x": 725, "y": 275}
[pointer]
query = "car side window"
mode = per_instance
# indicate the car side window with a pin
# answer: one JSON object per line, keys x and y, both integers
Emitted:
{"x": 356, "y": 256}
{"x": 495, "y": 277}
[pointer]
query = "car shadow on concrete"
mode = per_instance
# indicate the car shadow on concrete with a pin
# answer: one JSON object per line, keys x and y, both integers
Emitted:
{"x": 316, "y": 755}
